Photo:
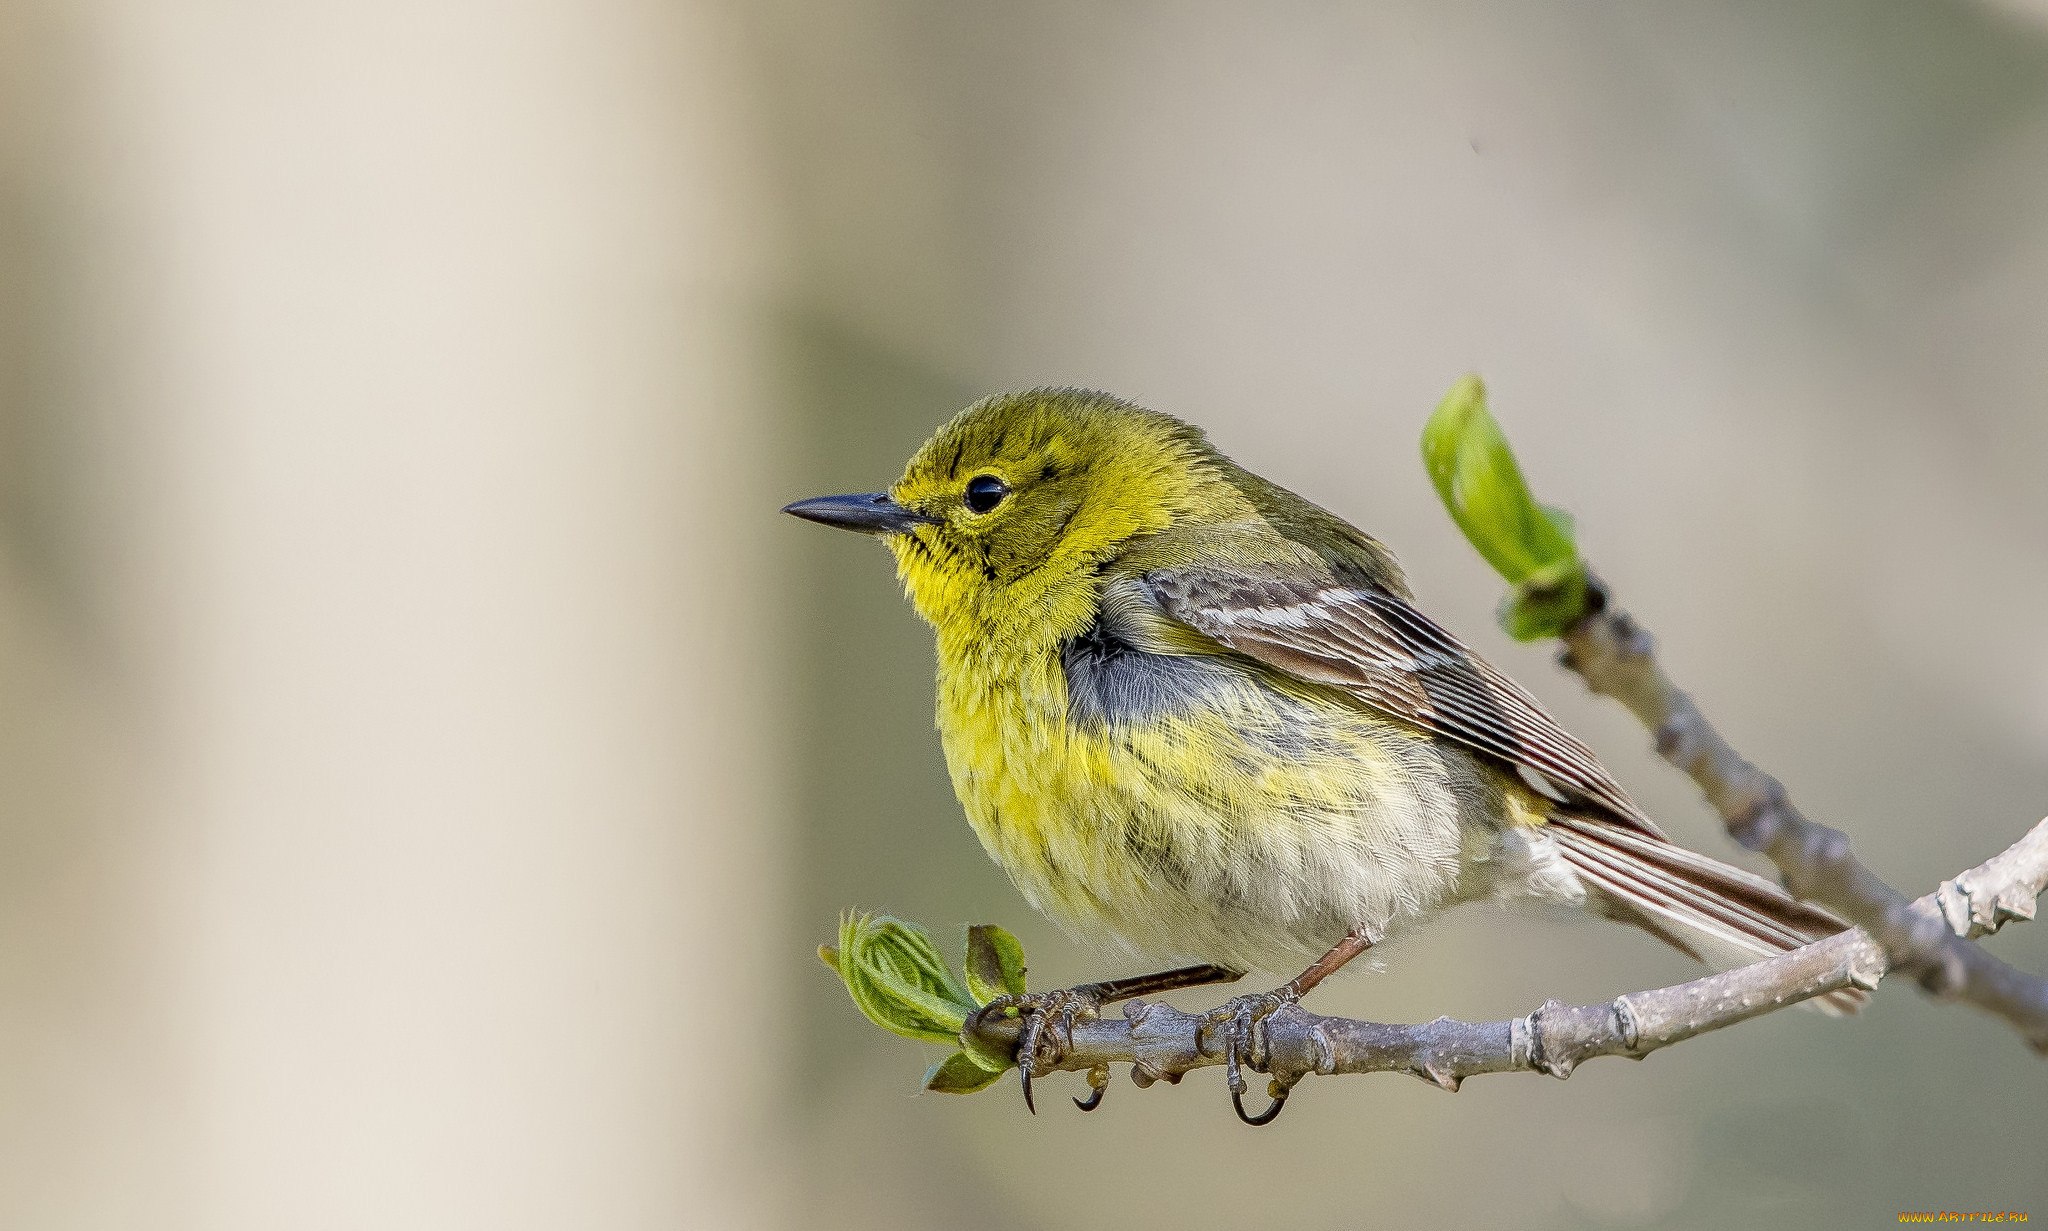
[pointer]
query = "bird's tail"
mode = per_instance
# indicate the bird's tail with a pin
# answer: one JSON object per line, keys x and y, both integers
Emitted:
{"x": 1718, "y": 914}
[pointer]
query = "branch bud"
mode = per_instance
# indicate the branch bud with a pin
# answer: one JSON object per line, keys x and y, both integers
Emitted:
{"x": 1529, "y": 544}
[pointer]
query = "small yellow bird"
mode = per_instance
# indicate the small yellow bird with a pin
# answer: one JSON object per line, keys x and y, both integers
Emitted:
{"x": 1186, "y": 709}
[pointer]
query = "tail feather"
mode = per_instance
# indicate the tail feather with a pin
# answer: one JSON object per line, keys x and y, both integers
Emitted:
{"x": 1669, "y": 888}
{"x": 1723, "y": 915}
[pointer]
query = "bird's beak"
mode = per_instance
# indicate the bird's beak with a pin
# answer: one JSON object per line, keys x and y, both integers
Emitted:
{"x": 867, "y": 512}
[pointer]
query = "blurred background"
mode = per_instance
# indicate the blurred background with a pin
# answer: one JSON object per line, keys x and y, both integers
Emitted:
{"x": 427, "y": 761}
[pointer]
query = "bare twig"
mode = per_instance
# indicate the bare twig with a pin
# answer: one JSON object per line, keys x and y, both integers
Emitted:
{"x": 1161, "y": 1042}
{"x": 1616, "y": 658}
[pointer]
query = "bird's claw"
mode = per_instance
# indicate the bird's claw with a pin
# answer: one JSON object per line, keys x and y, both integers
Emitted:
{"x": 1239, "y": 1021}
{"x": 1275, "y": 1091}
{"x": 1048, "y": 1029}
{"x": 1098, "y": 1085}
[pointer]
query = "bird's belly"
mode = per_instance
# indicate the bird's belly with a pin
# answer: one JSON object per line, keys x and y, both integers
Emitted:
{"x": 1254, "y": 828}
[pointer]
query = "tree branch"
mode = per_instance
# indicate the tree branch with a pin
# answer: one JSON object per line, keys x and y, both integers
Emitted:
{"x": 1161, "y": 1042}
{"x": 1616, "y": 658}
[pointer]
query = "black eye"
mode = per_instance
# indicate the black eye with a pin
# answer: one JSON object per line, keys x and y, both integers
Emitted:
{"x": 984, "y": 492}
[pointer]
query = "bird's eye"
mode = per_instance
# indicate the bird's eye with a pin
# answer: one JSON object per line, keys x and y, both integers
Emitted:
{"x": 984, "y": 492}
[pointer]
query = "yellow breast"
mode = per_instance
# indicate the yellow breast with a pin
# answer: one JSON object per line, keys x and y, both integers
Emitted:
{"x": 1187, "y": 806}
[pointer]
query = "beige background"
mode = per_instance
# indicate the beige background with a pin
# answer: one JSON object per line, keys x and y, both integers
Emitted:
{"x": 426, "y": 761}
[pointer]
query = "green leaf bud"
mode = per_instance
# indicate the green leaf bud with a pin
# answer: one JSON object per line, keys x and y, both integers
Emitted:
{"x": 1476, "y": 476}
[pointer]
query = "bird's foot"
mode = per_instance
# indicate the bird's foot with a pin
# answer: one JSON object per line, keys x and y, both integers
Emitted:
{"x": 1237, "y": 1026}
{"x": 1048, "y": 1030}
{"x": 1048, "y": 1019}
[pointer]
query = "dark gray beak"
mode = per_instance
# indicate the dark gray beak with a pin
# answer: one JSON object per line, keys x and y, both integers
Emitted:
{"x": 867, "y": 512}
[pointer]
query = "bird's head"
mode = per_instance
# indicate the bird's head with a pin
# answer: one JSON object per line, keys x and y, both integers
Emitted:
{"x": 1003, "y": 518}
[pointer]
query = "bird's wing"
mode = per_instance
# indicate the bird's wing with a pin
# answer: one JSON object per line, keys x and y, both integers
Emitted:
{"x": 1380, "y": 650}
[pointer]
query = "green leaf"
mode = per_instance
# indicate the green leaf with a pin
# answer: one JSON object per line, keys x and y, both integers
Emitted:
{"x": 1476, "y": 476}
{"x": 995, "y": 963}
{"x": 959, "y": 1073}
{"x": 897, "y": 979}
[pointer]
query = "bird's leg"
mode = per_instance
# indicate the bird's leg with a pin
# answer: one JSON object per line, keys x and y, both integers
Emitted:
{"x": 1049, "y": 1017}
{"x": 1239, "y": 1018}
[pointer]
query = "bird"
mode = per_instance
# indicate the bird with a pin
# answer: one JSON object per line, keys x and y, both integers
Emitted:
{"x": 1191, "y": 713}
